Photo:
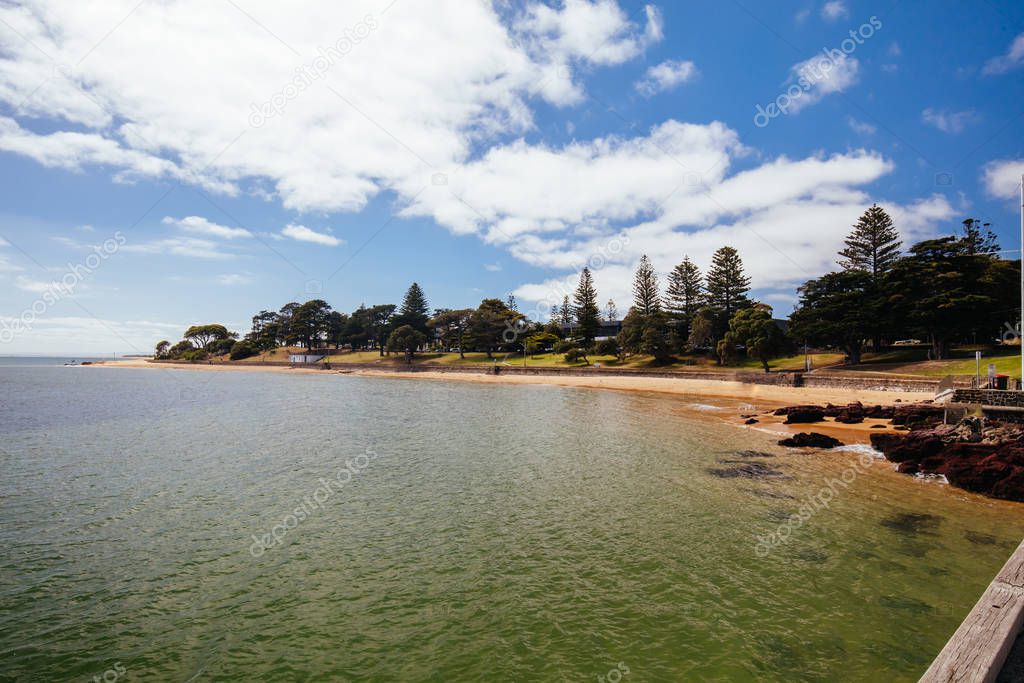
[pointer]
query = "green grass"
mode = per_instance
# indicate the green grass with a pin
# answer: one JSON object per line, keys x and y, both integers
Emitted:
{"x": 914, "y": 361}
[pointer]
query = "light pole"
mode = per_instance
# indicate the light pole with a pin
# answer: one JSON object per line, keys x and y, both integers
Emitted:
{"x": 1020, "y": 327}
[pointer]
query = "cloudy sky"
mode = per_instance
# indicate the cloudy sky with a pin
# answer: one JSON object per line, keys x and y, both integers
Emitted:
{"x": 170, "y": 162}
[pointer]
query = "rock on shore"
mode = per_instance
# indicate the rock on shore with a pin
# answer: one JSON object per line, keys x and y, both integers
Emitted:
{"x": 985, "y": 458}
{"x": 810, "y": 440}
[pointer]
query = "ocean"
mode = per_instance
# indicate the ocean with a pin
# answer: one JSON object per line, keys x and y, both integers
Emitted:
{"x": 198, "y": 526}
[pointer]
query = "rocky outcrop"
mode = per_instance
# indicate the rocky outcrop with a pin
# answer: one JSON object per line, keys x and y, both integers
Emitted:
{"x": 803, "y": 414}
{"x": 987, "y": 459}
{"x": 810, "y": 440}
{"x": 917, "y": 415}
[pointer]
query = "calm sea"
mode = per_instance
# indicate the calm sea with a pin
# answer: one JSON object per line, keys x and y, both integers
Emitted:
{"x": 197, "y": 526}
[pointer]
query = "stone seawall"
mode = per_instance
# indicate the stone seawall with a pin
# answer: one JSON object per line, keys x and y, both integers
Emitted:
{"x": 990, "y": 397}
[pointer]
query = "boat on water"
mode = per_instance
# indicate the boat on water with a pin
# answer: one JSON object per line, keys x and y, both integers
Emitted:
{"x": 70, "y": 363}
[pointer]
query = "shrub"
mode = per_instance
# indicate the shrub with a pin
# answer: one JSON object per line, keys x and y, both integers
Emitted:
{"x": 194, "y": 355}
{"x": 575, "y": 354}
{"x": 606, "y": 347}
{"x": 564, "y": 346}
{"x": 221, "y": 346}
{"x": 242, "y": 349}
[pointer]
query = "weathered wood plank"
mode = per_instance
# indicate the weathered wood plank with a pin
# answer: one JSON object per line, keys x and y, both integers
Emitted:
{"x": 978, "y": 649}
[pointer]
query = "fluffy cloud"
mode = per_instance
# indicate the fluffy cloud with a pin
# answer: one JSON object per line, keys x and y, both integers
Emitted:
{"x": 949, "y": 121}
{"x": 834, "y": 10}
{"x": 665, "y": 76}
{"x": 200, "y": 226}
{"x": 324, "y": 116}
{"x": 861, "y": 127}
{"x": 1013, "y": 58}
{"x": 304, "y": 234}
{"x": 1002, "y": 178}
{"x": 821, "y": 76}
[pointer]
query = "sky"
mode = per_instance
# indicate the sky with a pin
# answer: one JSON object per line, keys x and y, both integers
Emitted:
{"x": 165, "y": 163}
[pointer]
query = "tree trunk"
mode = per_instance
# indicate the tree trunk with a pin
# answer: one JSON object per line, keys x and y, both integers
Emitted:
{"x": 853, "y": 353}
{"x": 764, "y": 362}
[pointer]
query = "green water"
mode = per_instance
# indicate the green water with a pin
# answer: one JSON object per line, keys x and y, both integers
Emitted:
{"x": 492, "y": 533}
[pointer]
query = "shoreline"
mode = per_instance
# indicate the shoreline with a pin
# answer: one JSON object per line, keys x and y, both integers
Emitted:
{"x": 759, "y": 397}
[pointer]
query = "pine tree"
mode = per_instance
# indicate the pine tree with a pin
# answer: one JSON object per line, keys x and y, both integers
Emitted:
{"x": 685, "y": 293}
{"x": 873, "y": 246}
{"x": 414, "y": 310}
{"x": 586, "y": 309}
{"x": 978, "y": 238}
{"x": 611, "y": 313}
{"x": 565, "y": 312}
{"x": 510, "y": 302}
{"x": 727, "y": 284}
{"x": 645, "y": 288}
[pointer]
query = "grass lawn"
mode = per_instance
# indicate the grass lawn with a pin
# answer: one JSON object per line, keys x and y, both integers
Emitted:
{"x": 913, "y": 360}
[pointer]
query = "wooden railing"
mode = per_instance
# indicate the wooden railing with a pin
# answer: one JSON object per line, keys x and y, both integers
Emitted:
{"x": 978, "y": 649}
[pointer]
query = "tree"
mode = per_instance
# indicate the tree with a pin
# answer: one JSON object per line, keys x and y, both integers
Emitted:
{"x": 702, "y": 329}
{"x": 587, "y": 313}
{"x": 611, "y": 313}
{"x": 203, "y": 335}
{"x": 683, "y": 298}
{"x": 943, "y": 290}
{"x": 565, "y": 313}
{"x": 511, "y": 303}
{"x": 406, "y": 339}
{"x": 310, "y": 323}
{"x": 266, "y": 330}
{"x": 833, "y": 312}
{"x": 978, "y": 238}
{"x": 414, "y": 310}
{"x": 754, "y": 328}
{"x": 538, "y": 341}
{"x": 379, "y": 324}
{"x": 355, "y": 331}
{"x": 452, "y": 326}
{"x": 161, "y": 349}
{"x": 645, "y": 288}
{"x": 874, "y": 244}
{"x": 727, "y": 284}
{"x": 284, "y": 317}
{"x": 654, "y": 340}
{"x": 490, "y": 324}
{"x": 606, "y": 347}
{"x": 242, "y": 349}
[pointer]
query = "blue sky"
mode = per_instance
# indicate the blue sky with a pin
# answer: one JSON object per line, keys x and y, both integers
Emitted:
{"x": 240, "y": 155}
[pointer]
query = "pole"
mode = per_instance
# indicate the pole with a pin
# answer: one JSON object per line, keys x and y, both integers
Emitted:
{"x": 1020, "y": 328}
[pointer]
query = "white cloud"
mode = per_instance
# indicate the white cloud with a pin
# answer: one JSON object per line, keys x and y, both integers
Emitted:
{"x": 304, "y": 234}
{"x": 1012, "y": 59}
{"x": 801, "y": 16}
{"x": 820, "y": 76}
{"x": 179, "y": 246}
{"x": 444, "y": 87}
{"x": 200, "y": 226}
{"x": 834, "y": 10}
{"x": 1002, "y": 178}
{"x": 949, "y": 121}
{"x": 894, "y": 49}
{"x": 666, "y": 76}
{"x": 493, "y": 267}
{"x": 861, "y": 127}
